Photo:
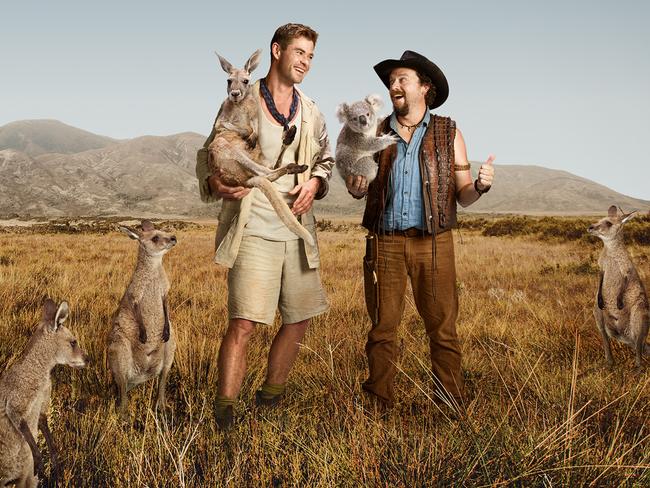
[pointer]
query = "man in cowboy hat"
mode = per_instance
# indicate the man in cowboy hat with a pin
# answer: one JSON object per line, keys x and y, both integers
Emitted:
{"x": 410, "y": 210}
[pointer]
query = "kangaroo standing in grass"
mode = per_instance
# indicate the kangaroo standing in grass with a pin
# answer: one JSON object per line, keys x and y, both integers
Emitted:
{"x": 142, "y": 342}
{"x": 25, "y": 390}
{"x": 621, "y": 309}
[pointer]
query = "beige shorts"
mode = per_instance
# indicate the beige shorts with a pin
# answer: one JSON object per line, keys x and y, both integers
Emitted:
{"x": 269, "y": 275}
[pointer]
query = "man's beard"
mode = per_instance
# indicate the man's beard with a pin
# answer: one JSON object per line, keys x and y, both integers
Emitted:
{"x": 403, "y": 110}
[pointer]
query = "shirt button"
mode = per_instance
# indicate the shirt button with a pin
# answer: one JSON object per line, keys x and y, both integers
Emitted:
{"x": 406, "y": 172}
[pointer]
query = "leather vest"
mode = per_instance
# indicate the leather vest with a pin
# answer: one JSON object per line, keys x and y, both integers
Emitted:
{"x": 436, "y": 158}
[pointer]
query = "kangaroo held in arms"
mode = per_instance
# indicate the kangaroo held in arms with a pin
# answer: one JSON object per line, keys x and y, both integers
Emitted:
{"x": 142, "y": 342}
{"x": 621, "y": 309}
{"x": 234, "y": 153}
{"x": 25, "y": 390}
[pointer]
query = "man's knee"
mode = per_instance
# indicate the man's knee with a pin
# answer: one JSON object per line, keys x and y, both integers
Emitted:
{"x": 298, "y": 325}
{"x": 240, "y": 329}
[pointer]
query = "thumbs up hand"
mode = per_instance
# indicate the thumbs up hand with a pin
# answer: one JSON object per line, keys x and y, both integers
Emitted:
{"x": 486, "y": 174}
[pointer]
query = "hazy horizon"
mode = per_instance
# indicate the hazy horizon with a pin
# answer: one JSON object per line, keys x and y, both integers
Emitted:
{"x": 556, "y": 85}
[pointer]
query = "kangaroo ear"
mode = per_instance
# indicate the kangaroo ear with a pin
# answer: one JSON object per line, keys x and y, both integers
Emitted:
{"x": 342, "y": 112}
{"x": 225, "y": 65}
{"x": 49, "y": 310}
{"x": 375, "y": 101}
{"x": 131, "y": 233}
{"x": 147, "y": 225}
{"x": 612, "y": 211}
{"x": 253, "y": 61}
{"x": 61, "y": 315}
{"x": 627, "y": 217}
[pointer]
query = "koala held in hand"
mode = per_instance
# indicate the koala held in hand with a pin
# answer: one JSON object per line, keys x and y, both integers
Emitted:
{"x": 358, "y": 140}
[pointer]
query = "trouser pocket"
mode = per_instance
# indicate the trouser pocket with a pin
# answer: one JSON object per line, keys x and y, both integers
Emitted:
{"x": 371, "y": 284}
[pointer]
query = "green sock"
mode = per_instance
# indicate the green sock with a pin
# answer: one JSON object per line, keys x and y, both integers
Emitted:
{"x": 221, "y": 404}
{"x": 270, "y": 390}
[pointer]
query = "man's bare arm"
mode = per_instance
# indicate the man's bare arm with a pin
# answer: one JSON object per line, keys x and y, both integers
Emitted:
{"x": 466, "y": 194}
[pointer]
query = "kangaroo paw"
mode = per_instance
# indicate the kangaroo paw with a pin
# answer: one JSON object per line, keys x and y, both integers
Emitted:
{"x": 295, "y": 168}
{"x": 251, "y": 140}
{"x": 142, "y": 336}
{"x": 289, "y": 135}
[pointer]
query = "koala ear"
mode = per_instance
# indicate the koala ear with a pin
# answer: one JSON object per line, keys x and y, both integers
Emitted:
{"x": 375, "y": 101}
{"x": 342, "y": 112}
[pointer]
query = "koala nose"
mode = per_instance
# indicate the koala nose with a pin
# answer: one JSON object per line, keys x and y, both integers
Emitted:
{"x": 363, "y": 119}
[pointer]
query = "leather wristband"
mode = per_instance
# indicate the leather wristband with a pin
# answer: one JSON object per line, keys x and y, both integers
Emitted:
{"x": 480, "y": 192}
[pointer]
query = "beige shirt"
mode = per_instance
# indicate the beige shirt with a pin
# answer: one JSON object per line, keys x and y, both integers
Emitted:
{"x": 313, "y": 145}
{"x": 263, "y": 220}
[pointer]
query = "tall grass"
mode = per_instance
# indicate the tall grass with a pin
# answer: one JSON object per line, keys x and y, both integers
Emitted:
{"x": 541, "y": 409}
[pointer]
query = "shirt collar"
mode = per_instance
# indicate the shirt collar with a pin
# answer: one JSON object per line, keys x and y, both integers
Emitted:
{"x": 393, "y": 120}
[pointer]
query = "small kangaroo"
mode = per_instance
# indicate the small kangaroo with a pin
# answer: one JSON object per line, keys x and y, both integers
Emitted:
{"x": 234, "y": 152}
{"x": 621, "y": 309}
{"x": 25, "y": 390}
{"x": 142, "y": 343}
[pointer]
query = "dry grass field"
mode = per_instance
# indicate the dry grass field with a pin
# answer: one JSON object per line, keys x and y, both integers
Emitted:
{"x": 541, "y": 409}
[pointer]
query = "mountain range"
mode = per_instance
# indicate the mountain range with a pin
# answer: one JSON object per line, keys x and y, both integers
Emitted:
{"x": 50, "y": 169}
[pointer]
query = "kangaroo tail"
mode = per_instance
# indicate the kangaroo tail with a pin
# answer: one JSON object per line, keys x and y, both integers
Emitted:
{"x": 281, "y": 208}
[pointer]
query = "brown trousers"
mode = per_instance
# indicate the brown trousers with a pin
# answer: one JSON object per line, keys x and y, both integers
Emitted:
{"x": 400, "y": 257}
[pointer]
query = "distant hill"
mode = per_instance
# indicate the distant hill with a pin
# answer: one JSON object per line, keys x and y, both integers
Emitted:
{"x": 521, "y": 189}
{"x": 143, "y": 176}
{"x": 529, "y": 189}
{"x": 154, "y": 176}
{"x": 35, "y": 137}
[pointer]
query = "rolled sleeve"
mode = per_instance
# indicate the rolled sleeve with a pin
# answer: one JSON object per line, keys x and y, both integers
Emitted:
{"x": 322, "y": 169}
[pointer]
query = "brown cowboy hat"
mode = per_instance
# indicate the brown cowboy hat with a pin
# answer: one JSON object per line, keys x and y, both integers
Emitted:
{"x": 413, "y": 60}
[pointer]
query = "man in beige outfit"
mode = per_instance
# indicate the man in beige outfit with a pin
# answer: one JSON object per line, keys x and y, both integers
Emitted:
{"x": 269, "y": 267}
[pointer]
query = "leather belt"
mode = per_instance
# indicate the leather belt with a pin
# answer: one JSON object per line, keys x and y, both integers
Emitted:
{"x": 410, "y": 232}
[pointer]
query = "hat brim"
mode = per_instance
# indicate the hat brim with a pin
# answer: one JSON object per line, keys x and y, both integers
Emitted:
{"x": 422, "y": 66}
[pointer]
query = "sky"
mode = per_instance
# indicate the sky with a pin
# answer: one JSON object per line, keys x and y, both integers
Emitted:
{"x": 557, "y": 84}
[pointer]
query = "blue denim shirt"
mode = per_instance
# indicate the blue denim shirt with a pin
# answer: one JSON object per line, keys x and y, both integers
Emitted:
{"x": 405, "y": 205}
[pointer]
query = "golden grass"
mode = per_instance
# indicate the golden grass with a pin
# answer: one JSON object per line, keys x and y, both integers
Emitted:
{"x": 541, "y": 410}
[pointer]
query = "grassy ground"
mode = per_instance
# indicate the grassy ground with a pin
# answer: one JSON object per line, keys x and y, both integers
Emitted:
{"x": 541, "y": 409}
